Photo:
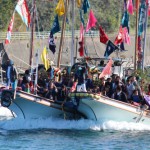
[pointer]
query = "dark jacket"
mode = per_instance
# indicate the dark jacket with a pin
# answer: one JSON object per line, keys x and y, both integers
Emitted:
{"x": 13, "y": 73}
{"x": 121, "y": 97}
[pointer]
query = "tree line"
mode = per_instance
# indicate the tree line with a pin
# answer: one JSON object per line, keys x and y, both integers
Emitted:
{"x": 107, "y": 12}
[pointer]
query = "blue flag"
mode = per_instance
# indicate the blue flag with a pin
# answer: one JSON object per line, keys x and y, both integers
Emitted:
{"x": 52, "y": 45}
{"x": 110, "y": 48}
{"x": 86, "y": 6}
{"x": 125, "y": 20}
{"x": 55, "y": 27}
{"x": 142, "y": 18}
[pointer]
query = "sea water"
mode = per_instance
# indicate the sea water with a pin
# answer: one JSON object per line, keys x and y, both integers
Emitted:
{"x": 59, "y": 134}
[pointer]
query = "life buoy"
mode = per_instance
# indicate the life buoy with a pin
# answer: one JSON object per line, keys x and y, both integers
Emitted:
{"x": 6, "y": 99}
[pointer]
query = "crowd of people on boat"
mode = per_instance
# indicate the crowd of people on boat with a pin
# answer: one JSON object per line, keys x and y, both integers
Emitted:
{"x": 128, "y": 89}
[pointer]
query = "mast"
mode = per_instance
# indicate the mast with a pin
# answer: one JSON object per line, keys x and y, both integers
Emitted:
{"x": 144, "y": 45}
{"x": 136, "y": 35}
{"x": 62, "y": 34}
{"x": 72, "y": 41}
{"x": 32, "y": 33}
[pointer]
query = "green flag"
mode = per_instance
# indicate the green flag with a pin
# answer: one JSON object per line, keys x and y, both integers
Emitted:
{"x": 55, "y": 27}
{"x": 86, "y": 6}
{"x": 125, "y": 20}
{"x": 81, "y": 16}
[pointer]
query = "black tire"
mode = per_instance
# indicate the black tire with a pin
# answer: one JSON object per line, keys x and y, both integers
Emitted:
{"x": 6, "y": 99}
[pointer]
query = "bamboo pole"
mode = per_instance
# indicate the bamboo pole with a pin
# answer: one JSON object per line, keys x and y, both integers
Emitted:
{"x": 136, "y": 35}
{"x": 32, "y": 35}
{"x": 145, "y": 32}
{"x": 62, "y": 34}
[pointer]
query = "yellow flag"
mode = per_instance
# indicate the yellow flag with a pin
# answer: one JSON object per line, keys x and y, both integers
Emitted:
{"x": 44, "y": 58}
{"x": 60, "y": 8}
{"x": 79, "y": 3}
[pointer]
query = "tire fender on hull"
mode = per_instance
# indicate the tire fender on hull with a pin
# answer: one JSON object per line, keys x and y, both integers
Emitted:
{"x": 6, "y": 98}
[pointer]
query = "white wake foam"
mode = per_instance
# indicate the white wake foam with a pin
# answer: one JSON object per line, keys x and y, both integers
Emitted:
{"x": 53, "y": 123}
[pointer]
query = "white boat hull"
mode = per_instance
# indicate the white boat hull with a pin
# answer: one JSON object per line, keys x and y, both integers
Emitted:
{"x": 31, "y": 106}
{"x": 105, "y": 109}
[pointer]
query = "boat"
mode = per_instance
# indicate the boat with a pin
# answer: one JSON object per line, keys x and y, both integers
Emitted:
{"x": 26, "y": 105}
{"x": 100, "y": 108}
{"x": 86, "y": 105}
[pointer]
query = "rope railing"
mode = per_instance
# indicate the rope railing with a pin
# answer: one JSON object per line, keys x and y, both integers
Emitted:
{"x": 44, "y": 35}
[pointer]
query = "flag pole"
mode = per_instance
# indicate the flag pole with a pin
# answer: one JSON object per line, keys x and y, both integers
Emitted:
{"x": 32, "y": 33}
{"x": 72, "y": 41}
{"x": 62, "y": 34}
{"x": 144, "y": 45}
{"x": 136, "y": 35}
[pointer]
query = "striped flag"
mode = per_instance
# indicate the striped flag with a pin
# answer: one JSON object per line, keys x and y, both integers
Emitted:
{"x": 23, "y": 11}
{"x": 9, "y": 31}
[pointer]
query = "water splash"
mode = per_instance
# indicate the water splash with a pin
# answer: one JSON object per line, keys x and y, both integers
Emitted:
{"x": 54, "y": 123}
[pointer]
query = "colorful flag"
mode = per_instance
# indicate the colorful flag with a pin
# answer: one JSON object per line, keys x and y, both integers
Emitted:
{"x": 81, "y": 17}
{"x": 79, "y": 3}
{"x": 91, "y": 21}
{"x": 120, "y": 37}
{"x": 86, "y": 6}
{"x": 142, "y": 18}
{"x": 73, "y": 88}
{"x": 127, "y": 39}
{"x": 130, "y": 7}
{"x": 125, "y": 4}
{"x": 121, "y": 46}
{"x": 55, "y": 27}
{"x": 103, "y": 36}
{"x": 148, "y": 3}
{"x": 107, "y": 70}
{"x": 9, "y": 31}
{"x": 139, "y": 44}
{"x": 125, "y": 20}
{"x": 45, "y": 58}
{"x": 81, "y": 42}
{"x": 52, "y": 45}
{"x": 23, "y": 11}
{"x": 110, "y": 48}
{"x": 60, "y": 8}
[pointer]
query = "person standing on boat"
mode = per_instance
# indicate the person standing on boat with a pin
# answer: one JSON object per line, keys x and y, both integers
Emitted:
{"x": 11, "y": 75}
{"x": 80, "y": 77}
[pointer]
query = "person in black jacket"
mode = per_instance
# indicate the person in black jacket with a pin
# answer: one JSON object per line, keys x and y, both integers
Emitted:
{"x": 120, "y": 95}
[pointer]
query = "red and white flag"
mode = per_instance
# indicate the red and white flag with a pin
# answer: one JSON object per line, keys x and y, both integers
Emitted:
{"x": 107, "y": 70}
{"x": 81, "y": 42}
{"x": 120, "y": 37}
{"x": 91, "y": 21}
{"x": 9, "y": 31}
{"x": 103, "y": 36}
{"x": 81, "y": 32}
{"x": 148, "y": 3}
{"x": 130, "y": 7}
{"x": 23, "y": 11}
{"x": 127, "y": 39}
